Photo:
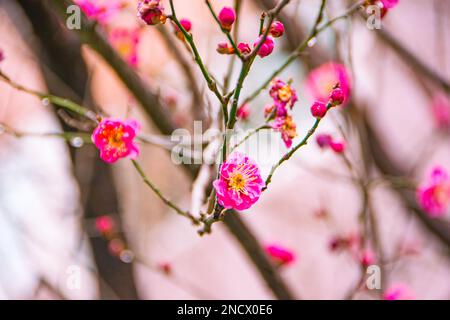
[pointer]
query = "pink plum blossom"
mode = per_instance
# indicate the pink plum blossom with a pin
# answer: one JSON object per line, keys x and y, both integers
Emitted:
{"x": 100, "y": 10}
{"x": 266, "y": 48}
{"x": 115, "y": 139}
{"x": 322, "y": 80}
{"x": 367, "y": 257}
{"x": 243, "y": 112}
{"x": 280, "y": 255}
{"x": 276, "y": 29}
{"x": 240, "y": 184}
{"x": 441, "y": 111}
{"x": 225, "y": 48}
{"x": 151, "y": 12}
{"x": 244, "y": 48}
{"x": 434, "y": 194}
{"x": 319, "y": 109}
{"x": 104, "y": 224}
{"x": 126, "y": 41}
{"x": 227, "y": 17}
{"x": 288, "y": 129}
{"x": 283, "y": 95}
{"x": 399, "y": 291}
{"x": 389, "y": 4}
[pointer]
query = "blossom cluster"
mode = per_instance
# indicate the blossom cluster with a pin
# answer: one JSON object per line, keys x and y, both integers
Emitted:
{"x": 265, "y": 44}
{"x": 284, "y": 98}
{"x": 434, "y": 194}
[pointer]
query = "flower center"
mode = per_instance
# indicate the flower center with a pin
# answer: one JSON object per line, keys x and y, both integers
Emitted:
{"x": 115, "y": 139}
{"x": 285, "y": 93}
{"x": 124, "y": 49}
{"x": 237, "y": 182}
{"x": 442, "y": 194}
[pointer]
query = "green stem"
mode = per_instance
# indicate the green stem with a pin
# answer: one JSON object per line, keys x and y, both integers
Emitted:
{"x": 226, "y": 32}
{"x": 169, "y": 203}
{"x": 291, "y": 152}
{"x": 61, "y": 102}
{"x": 212, "y": 85}
{"x": 315, "y": 31}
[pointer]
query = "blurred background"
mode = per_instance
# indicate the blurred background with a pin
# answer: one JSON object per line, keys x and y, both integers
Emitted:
{"x": 73, "y": 227}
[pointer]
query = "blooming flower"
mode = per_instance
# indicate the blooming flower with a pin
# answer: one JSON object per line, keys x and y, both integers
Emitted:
{"x": 243, "y": 111}
{"x": 115, "y": 139}
{"x": 286, "y": 126}
{"x": 398, "y": 291}
{"x": 434, "y": 195}
{"x": 283, "y": 95}
{"x": 100, "y": 10}
{"x": 266, "y": 48}
{"x": 126, "y": 41}
{"x": 441, "y": 111}
{"x": 321, "y": 81}
{"x": 151, "y": 12}
{"x": 240, "y": 184}
{"x": 280, "y": 255}
{"x": 227, "y": 17}
{"x": 276, "y": 29}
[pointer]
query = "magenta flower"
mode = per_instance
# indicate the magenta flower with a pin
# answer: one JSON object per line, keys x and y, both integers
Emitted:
{"x": 115, "y": 139}
{"x": 319, "y": 109}
{"x": 399, "y": 291}
{"x": 389, "y": 4}
{"x": 266, "y": 48}
{"x": 2, "y": 55}
{"x": 325, "y": 141}
{"x": 280, "y": 255}
{"x": 322, "y": 80}
{"x": 151, "y": 12}
{"x": 434, "y": 195}
{"x": 126, "y": 43}
{"x": 244, "y": 48}
{"x": 337, "y": 146}
{"x": 100, "y": 10}
{"x": 286, "y": 126}
{"x": 276, "y": 29}
{"x": 367, "y": 257}
{"x": 227, "y": 17}
{"x": 240, "y": 184}
{"x": 283, "y": 95}
{"x": 243, "y": 112}
{"x": 441, "y": 111}
{"x": 104, "y": 224}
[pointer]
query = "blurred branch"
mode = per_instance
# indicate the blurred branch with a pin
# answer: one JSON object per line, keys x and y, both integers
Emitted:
{"x": 440, "y": 228}
{"x": 212, "y": 85}
{"x": 412, "y": 60}
{"x": 315, "y": 31}
{"x": 226, "y": 32}
{"x": 197, "y": 100}
{"x": 61, "y": 50}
